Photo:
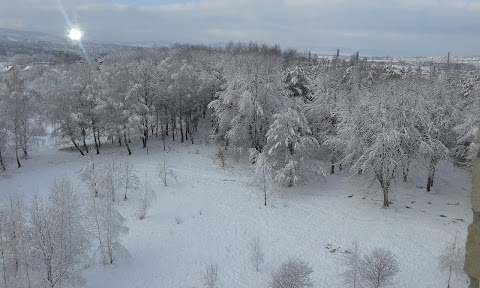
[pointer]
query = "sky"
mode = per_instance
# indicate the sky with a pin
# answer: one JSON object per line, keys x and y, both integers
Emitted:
{"x": 372, "y": 27}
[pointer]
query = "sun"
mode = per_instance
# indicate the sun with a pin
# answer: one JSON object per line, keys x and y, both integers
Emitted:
{"x": 75, "y": 34}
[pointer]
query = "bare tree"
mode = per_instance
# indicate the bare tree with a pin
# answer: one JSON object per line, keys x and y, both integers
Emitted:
{"x": 146, "y": 196}
{"x": 452, "y": 259}
{"x": 379, "y": 268}
{"x": 294, "y": 273}
{"x": 351, "y": 262}
{"x": 256, "y": 256}
{"x": 210, "y": 278}
{"x": 129, "y": 178}
{"x": 166, "y": 172}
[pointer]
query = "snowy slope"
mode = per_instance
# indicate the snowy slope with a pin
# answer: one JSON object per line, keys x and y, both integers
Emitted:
{"x": 219, "y": 212}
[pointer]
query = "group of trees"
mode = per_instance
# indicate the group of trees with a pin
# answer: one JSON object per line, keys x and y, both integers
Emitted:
{"x": 377, "y": 120}
{"x": 50, "y": 240}
{"x": 44, "y": 243}
{"x": 279, "y": 107}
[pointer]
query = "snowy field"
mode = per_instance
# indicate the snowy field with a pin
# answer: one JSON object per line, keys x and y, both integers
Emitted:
{"x": 210, "y": 215}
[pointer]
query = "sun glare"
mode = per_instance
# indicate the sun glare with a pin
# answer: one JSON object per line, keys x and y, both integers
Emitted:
{"x": 75, "y": 34}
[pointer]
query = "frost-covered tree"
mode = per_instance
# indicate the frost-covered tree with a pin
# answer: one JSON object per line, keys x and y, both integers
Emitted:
{"x": 452, "y": 259}
{"x": 122, "y": 101}
{"x": 256, "y": 253}
{"x": 165, "y": 172}
{"x": 328, "y": 91}
{"x": 108, "y": 222}
{"x": 293, "y": 273}
{"x": 60, "y": 241}
{"x": 89, "y": 175}
{"x": 263, "y": 172}
{"x": 15, "y": 243}
{"x": 352, "y": 263}
{"x": 147, "y": 195}
{"x": 3, "y": 125}
{"x": 467, "y": 109}
{"x": 291, "y": 147}
{"x": 145, "y": 91}
{"x": 109, "y": 228}
{"x": 129, "y": 178}
{"x": 371, "y": 139}
{"x": 19, "y": 111}
{"x": 253, "y": 91}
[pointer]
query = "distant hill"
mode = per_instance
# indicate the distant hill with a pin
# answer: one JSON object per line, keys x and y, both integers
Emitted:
{"x": 30, "y": 36}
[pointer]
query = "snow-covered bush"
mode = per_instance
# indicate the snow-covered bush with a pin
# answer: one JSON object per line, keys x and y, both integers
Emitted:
{"x": 294, "y": 273}
{"x": 379, "y": 268}
{"x": 210, "y": 277}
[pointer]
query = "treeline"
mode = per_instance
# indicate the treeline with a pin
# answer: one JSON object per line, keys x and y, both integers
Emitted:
{"x": 274, "y": 105}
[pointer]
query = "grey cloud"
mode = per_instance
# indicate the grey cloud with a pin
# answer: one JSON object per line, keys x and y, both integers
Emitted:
{"x": 373, "y": 27}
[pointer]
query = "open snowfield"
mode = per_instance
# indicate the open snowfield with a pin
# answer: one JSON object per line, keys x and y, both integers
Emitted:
{"x": 211, "y": 215}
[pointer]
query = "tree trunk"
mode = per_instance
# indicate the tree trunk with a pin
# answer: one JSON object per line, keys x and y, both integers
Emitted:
{"x": 431, "y": 174}
{"x": 406, "y": 169}
{"x": 386, "y": 203}
{"x": 162, "y": 131}
{"x": 2, "y": 165}
{"x": 265, "y": 190}
{"x": 16, "y": 155}
{"x": 181, "y": 130}
{"x": 166, "y": 127}
{"x": 84, "y": 142}
{"x": 78, "y": 148}
{"x": 145, "y": 137}
{"x": 126, "y": 143}
{"x": 95, "y": 139}
{"x": 187, "y": 127}
{"x": 332, "y": 168}
{"x": 98, "y": 138}
{"x": 2, "y": 254}
{"x": 173, "y": 129}
{"x": 385, "y": 189}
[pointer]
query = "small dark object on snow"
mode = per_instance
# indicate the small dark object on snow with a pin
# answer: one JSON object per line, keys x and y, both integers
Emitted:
{"x": 350, "y": 196}
{"x": 453, "y": 204}
{"x": 443, "y": 216}
{"x": 408, "y": 207}
{"x": 459, "y": 219}
{"x": 429, "y": 202}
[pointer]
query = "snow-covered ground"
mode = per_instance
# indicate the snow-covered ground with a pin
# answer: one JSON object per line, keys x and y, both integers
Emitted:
{"x": 212, "y": 214}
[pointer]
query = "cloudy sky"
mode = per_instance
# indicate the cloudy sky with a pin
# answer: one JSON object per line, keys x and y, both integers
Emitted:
{"x": 373, "y": 27}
